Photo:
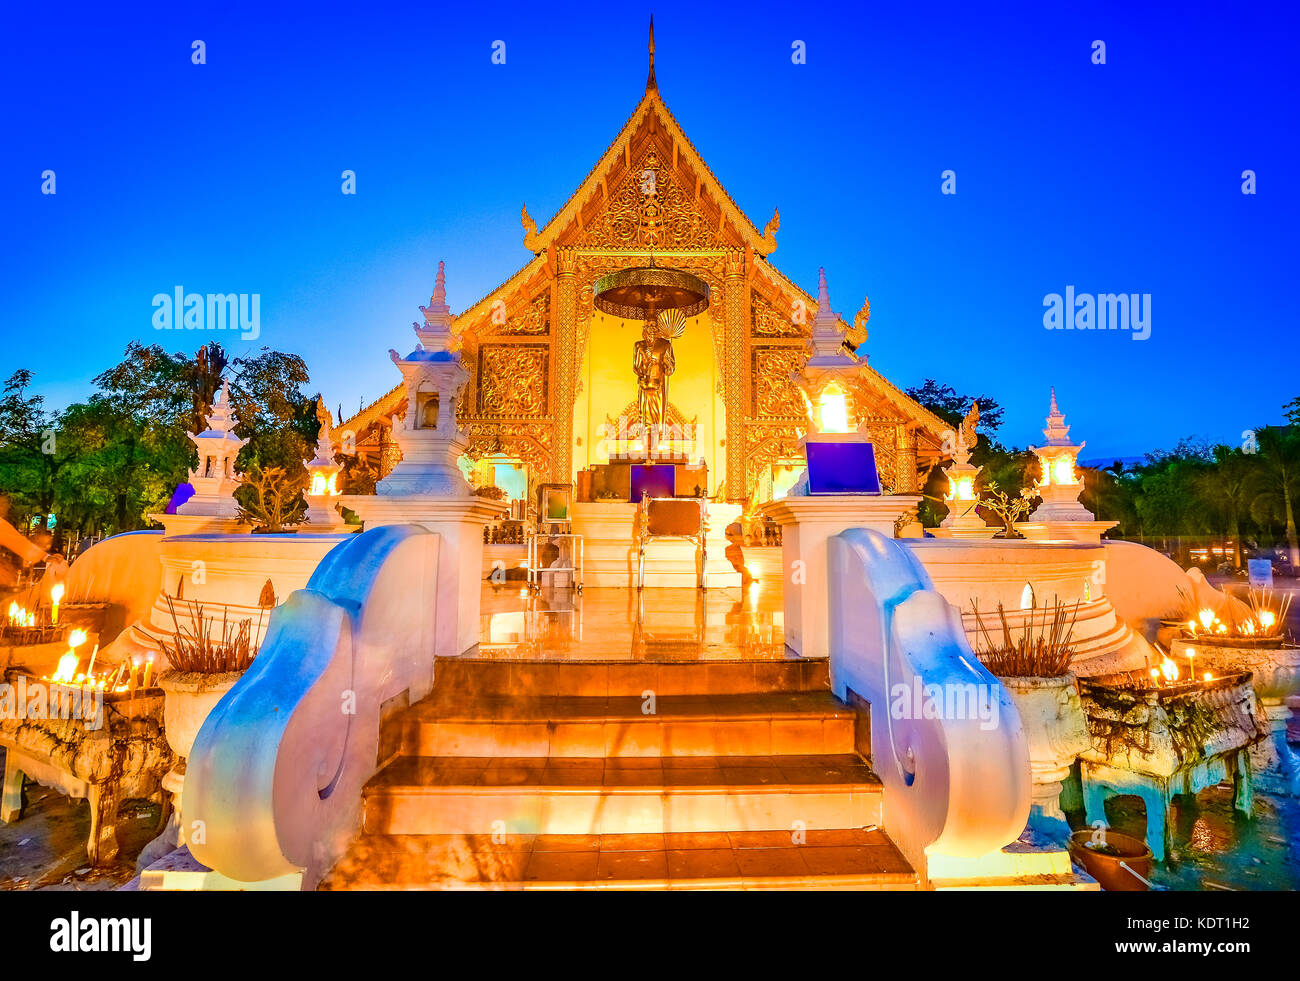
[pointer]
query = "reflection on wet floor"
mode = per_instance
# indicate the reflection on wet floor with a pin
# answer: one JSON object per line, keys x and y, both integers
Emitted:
{"x": 627, "y": 625}
{"x": 1214, "y": 847}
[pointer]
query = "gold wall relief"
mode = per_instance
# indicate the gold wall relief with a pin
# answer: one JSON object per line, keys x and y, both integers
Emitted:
{"x": 775, "y": 395}
{"x": 766, "y": 444}
{"x": 513, "y": 379}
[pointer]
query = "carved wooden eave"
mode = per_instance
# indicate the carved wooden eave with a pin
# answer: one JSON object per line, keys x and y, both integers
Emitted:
{"x": 377, "y": 412}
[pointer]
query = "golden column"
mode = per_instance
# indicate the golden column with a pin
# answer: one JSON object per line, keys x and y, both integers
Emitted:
{"x": 905, "y": 441}
{"x": 735, "y": 370}
{"x": 566, "y": 363}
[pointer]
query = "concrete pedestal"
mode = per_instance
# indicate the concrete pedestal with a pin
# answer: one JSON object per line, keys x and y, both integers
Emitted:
{"x": 459, "y": 521}
{"x": 1087, "y": 532}
{"x": 806, "y": 525}
{"x": 323, "y": 517}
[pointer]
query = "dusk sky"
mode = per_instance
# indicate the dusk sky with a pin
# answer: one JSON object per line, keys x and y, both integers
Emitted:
{"x": 1122, "y": 177}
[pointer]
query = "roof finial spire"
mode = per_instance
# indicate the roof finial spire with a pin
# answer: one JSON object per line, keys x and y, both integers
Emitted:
{"x": 650, "y": 84}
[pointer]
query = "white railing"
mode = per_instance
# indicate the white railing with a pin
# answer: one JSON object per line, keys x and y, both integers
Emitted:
{"x": 273, "y": 784}
{"x": 946, "y": 739}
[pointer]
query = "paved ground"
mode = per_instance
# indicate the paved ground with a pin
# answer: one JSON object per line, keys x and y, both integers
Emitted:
{"x": 47, "y": 848}
{"x": 1216, "y": 848}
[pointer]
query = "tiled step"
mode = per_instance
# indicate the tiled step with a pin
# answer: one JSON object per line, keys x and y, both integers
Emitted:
{"x": 794, "y": 724}
{"x": 612, "y": 679}
{"x": 416, "y": 795}
{"x": 819, "y": 859}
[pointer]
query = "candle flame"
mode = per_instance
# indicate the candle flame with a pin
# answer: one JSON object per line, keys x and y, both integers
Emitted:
{"x": 67, "y": 667}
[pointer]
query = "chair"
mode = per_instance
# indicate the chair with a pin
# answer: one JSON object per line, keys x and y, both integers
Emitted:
{"x": 672, "y": 517}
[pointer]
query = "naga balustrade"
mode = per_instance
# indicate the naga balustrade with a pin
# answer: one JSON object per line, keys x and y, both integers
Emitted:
{"x": 273, "y": 784}
{"x": 946, "y": 739}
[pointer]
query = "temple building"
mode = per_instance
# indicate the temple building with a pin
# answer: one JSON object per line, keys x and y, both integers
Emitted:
{"x": 555, "y": 393}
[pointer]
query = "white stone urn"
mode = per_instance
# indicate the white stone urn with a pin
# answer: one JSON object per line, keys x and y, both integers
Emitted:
{"x": 188, "y": 698}
{"x": 1057, "y": 732}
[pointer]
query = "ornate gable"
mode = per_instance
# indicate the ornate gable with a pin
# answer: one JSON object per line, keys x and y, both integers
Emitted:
{"x": 619, "y": 205}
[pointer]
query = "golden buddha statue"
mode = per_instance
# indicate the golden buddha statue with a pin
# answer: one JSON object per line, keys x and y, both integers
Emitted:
{"x": 653, "y": 362}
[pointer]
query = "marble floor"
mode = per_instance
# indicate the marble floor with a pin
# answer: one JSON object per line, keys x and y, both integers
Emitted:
{"x": 743, "y": 623}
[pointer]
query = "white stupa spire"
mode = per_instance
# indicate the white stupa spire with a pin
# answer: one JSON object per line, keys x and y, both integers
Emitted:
{"x": 827, "y": 341}
{"x": 1057, "y": 432}
{"x": 435, "y": 332}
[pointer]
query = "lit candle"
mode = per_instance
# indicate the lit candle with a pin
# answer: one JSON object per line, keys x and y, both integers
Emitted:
{"x": 67, "y": 667}
{"x": 56, "y": 594}
{"x": 148, "y": 669}
{"x": 131, "y": 674}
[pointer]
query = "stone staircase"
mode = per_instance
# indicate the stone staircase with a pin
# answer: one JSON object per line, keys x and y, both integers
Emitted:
{"x": 561, "y": 774}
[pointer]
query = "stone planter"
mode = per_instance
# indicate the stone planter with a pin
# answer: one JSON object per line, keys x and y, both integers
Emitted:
{"x": 1057, "y": 731}
{"x": 189, "y": 697}
{"x": 1275, "y": 674}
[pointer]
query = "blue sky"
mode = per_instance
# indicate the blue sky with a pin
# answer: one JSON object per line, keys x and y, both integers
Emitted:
{"x": 1123, "y": 177}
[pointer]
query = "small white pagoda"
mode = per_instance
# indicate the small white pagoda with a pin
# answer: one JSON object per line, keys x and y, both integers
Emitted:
{"x": 429, "y": 437}
{"x": 1060, "y": 517}
{"x": 215, "y": 480}
{"x": 827, "y": 379}
{"x": 427, "y": 486}
{"x": 963, "y": 520}
{"x": 322, "y": 492}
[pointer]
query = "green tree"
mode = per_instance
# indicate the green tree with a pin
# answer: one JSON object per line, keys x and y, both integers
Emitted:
{"x": 29, "y": 457}
{"x": 944, "y": 402}
{"x": 1224, "y": 489}
{"x": 1275, "y": 481}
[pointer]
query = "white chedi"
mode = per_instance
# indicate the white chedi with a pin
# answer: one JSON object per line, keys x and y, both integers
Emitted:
{"x": 429, "y": 437}
{"x": 216, "y": 479}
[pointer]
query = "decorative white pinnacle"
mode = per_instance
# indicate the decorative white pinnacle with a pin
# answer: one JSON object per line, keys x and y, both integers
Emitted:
{"x": 1057, "y": 432}
{"x": 827, "y": 341}
{"x": 435, "y": 332}
{"x": 324, "y": 451}
{"x": 221, "y": 419}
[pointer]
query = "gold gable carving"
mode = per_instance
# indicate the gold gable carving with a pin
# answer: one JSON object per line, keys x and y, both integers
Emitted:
{"x": 646, "y": 211}
{"x": 532, "y": 320}
{"x": 770, "y": 322}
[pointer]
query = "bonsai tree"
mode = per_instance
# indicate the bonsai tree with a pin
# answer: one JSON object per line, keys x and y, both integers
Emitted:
{"x": 270, "y": 500}
{"x": 1008, "y": 509}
